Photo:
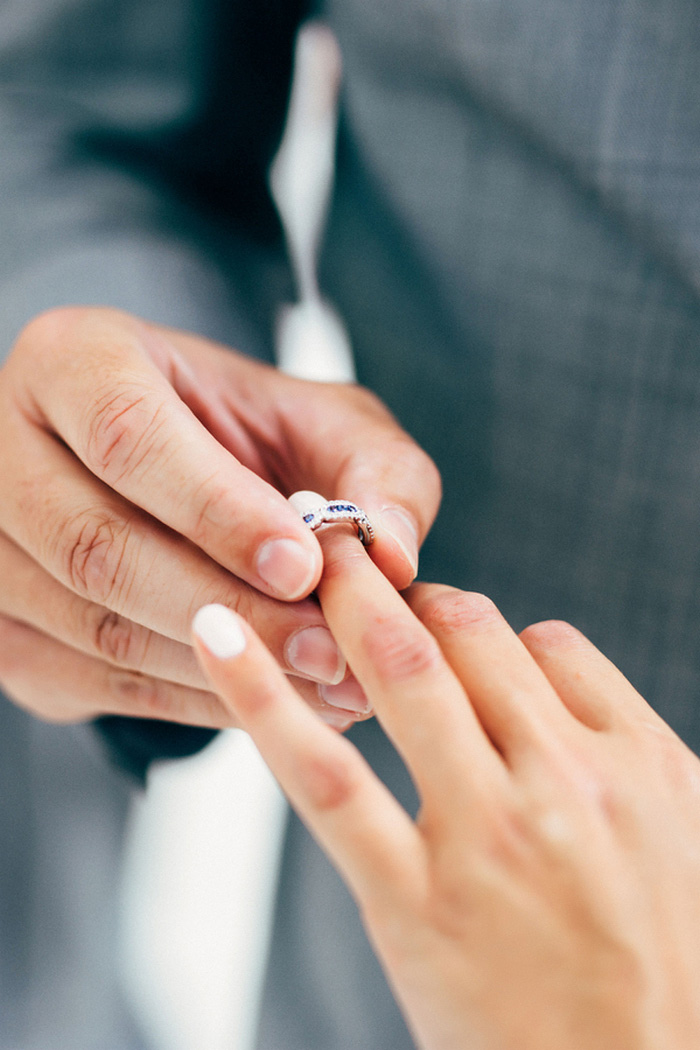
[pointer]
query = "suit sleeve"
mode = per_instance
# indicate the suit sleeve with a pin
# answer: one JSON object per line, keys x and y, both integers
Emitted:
{"x": 135, "y": 137}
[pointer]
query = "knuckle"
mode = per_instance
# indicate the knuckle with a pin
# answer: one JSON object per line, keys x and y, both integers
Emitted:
{"x": 431, "y": 477}
{"x": 398, "y": 651}
{"x": 552, "y": 634}
{"x": 238, "y": 596}
{"x": 123, "y": 429}
{"x": 142, "y": 696}
{"x": 93, "y": 549}
{"x": 45, "y": 331}
{"x": 213, "y": 507}
{"x": 139, "y": 694}
{"x": 452, "y": 612}
{"x": 363, "y": 400}
{"x": 330, "y": 785}
{"x": 119, "y": 640}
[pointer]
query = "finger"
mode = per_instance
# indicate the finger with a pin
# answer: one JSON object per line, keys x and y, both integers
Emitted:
{"x": 512, "y": 697}
{"x": 97, "y": 632}
{"x": 353, "y": 815}
{"x": 341, "y": 440}
{"x": 59, "y": 684}
{"x": 111, "y": 554}
{"x": 31, "y": 595}
{"x": 93, "y": 382}
{"x": 367, "y": 458}
{"x": 414, "y": 692}
{"x": 591, "y": 687}
{"x": 337, "y": 706}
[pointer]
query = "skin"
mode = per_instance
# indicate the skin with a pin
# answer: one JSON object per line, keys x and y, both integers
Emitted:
{"x": 548, "y": 895}
{"x": 142, "y": 472}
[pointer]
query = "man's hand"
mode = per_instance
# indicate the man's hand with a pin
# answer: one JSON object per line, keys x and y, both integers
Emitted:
{"x": 143, "y": 473}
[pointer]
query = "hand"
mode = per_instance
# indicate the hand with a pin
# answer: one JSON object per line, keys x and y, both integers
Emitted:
{"x": 141, "y": 472}
{"x": 548, "y": 895}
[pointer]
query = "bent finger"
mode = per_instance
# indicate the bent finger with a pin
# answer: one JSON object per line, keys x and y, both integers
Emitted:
{"x": 367, "y": 458}
{"x": 93, "y": 382}
{"x": 112, "y": 554}
{"x": 339, "y": 439}
{"x": 33, "y": 596}
{"x": 59, "y": 684}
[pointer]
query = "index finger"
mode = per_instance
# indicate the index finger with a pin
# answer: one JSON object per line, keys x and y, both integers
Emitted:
{"x": 94, "y": 384}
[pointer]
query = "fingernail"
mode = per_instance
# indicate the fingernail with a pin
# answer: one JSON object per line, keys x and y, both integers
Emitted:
{"x": 313, "y": 652}
{"x": 305, "y": 501}
{"x": 349, "y": 696}
{"x": 218, "y": 628}
{"x": 286, "y": 567}
{"x": 337, "y": 719}
{"x": 402, "y": 528}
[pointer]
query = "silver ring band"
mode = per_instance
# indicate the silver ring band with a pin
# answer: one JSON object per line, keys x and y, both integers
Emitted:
{"x": 339, "y": 511}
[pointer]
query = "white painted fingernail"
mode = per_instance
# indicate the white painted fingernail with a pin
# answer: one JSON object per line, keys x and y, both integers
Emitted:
{"x": 305, "y": 501}
{"x": 219, "y": 630}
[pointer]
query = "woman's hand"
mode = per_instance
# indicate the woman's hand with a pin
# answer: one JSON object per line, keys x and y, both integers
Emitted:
{"x": 548, "y": 895}
{"x": 142, "y": 473}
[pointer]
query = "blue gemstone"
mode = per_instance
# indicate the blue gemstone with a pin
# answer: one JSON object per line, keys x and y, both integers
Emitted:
{"x": 308, "y": 517}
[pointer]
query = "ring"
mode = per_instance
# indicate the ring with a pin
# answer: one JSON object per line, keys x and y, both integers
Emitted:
{"x": 339, "y": 512}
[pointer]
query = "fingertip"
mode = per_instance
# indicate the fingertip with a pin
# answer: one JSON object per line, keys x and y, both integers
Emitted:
{"x": 289, "y": 569}
{"x": 220, "y": 631}
{"x": 395, "y": 550}
{"x": 553, "y": 634}
{"x": 400, "y": 528}
{"x": 305, "y": 501}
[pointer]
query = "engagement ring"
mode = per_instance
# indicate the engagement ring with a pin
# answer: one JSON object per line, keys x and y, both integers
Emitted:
{"x": 338, "y": 512}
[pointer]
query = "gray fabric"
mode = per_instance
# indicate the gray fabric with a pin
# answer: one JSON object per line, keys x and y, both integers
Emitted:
{"x": 96, "y": 100}
{"x": 514, "y": 244}
{"x": 546, "y": 185}
{"x": 60, "y": 829}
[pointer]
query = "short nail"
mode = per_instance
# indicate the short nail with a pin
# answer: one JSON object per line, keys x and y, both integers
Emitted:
{"x": 348, "y": 695}
{"x": 218, "y": 628}
{"x": 313, "y": 652}
{"x": 286, "y": 567}
{"x": 305, "y": 500}
{"x": 336, "y": 719}
{"x": 402, "y": 528}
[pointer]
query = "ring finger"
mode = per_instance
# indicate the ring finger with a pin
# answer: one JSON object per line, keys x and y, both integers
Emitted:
{"x": 415, "y": 693}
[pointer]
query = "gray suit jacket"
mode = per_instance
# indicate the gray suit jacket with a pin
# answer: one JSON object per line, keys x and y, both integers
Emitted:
{"x": 515, "y": 246}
